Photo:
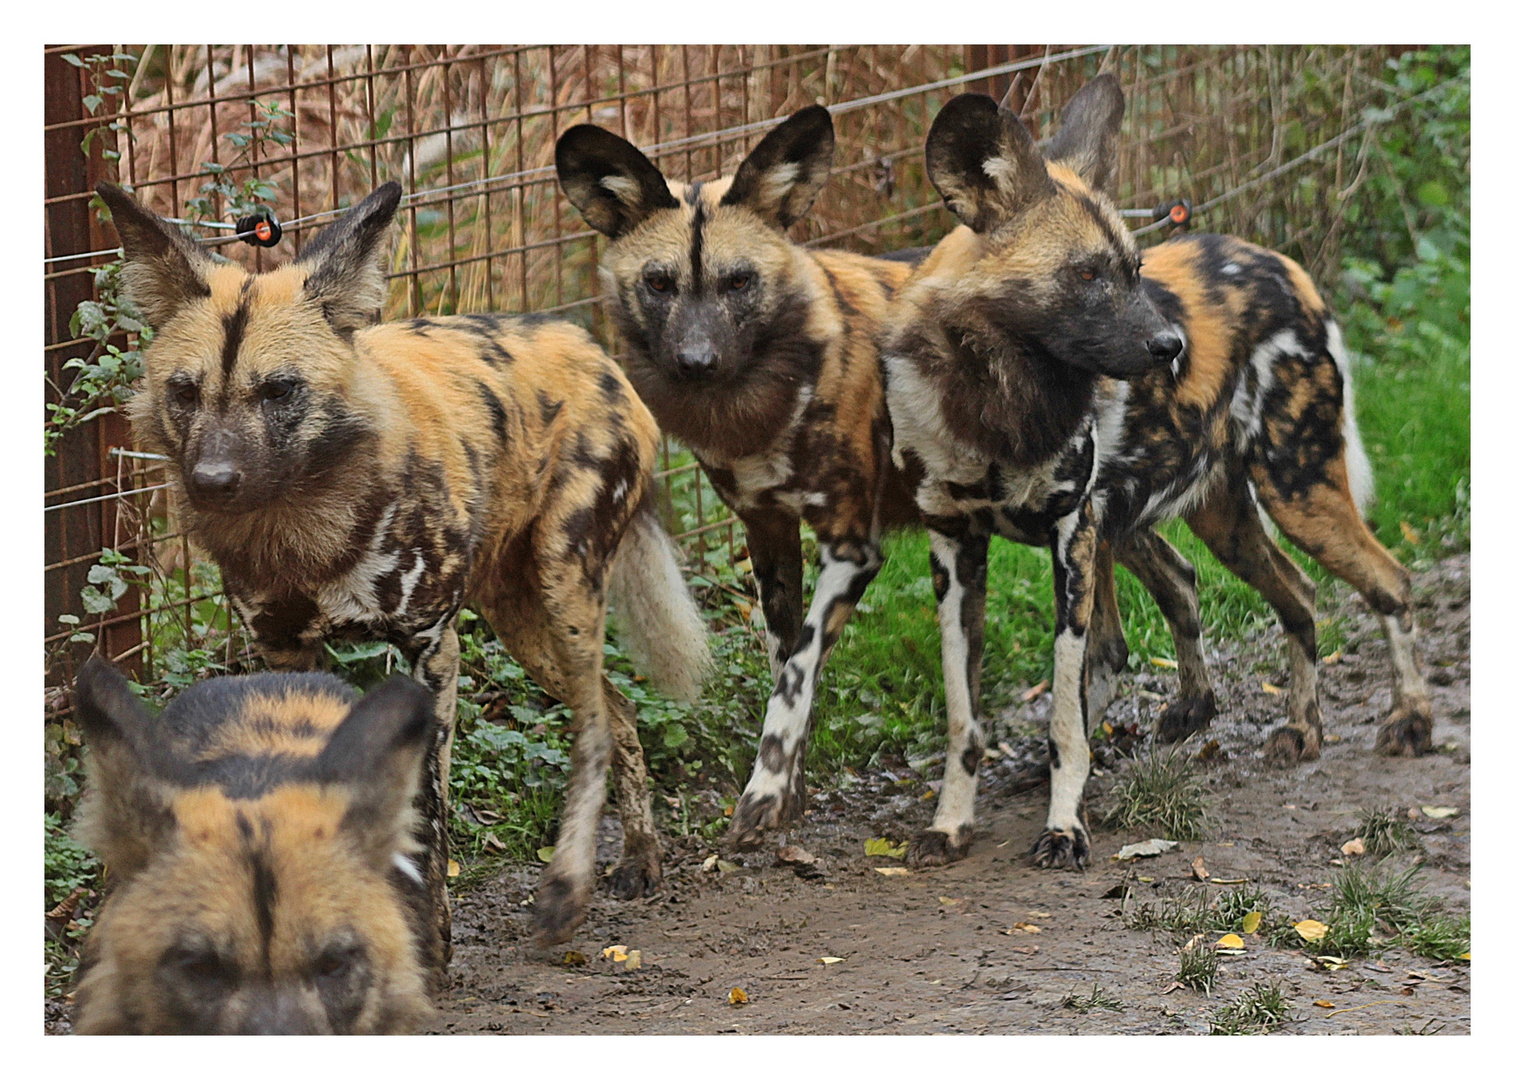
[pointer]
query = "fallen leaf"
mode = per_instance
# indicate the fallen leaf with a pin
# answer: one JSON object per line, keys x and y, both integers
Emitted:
{"x": 574, "y": 959}
{"x": 1210, "y": 750}
{"x": 881, "y": 846}
{"x": 1409, "y": 532}
{"x": 726, "y": 867}
{"x": 892, "y": 871}
{"x": 1330, "y": 963}
{"x": 738, "y": 996}
{"x": 1229, "y": 880}
{"x": 616, "y": 954}
{"x": 1269, "y": 688}
{"x": 1324, "y": 1004}
{"x": 1250, "y": 922}
{"x": 1231, "y": 941}
{"x": 1334, "y": 658}
{"x": 545, "y": 853}
{"x": 1035, "y": 692}
{"x": 1468, "y": 956}
{"x": 1354, "y": 846}
{"x": 948, "y": 900}
{"x": 730, "y": 810}
{"x": 1029, "y": 950}
{"x": 633, "y": 960}
{"x": 1310, "y": 929}
{"x": 831, "y": 960}
{"x": 1439, "y": 812}
{"x": 795, "y": 855}
{"x": 1147, "y": 849}
{"x": 929, "y": 793}
{"x": 1024, "y": 928}
{"x": 1198, "y": 866}
{"x": 1164, "y": 662}
{"x": 1331, "y": 739}
{"x": 453, "y": 869}
{"x": 1145, "y": 880}
{"x": 1039, "y": 914}
{"x": 709, "y": 864}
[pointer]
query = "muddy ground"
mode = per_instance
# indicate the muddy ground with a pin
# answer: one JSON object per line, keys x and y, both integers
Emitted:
{"x": 928, "y": 951}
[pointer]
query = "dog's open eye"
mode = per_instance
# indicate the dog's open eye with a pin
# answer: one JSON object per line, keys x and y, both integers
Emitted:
{"x": 276, "y": 389}
{"x": 660, "y": 282}
{"x": 184, "y": 393}
{"x": 1088, "y": 273}
{"x": 738, "y": 282}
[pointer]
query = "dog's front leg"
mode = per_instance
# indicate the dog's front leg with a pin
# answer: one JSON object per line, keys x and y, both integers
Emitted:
{"x": 1065, "y": 840}
{"x": 776, "y": 792}
{"x": 959, "y": 571}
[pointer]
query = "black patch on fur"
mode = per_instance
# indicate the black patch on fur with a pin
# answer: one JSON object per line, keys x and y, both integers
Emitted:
{"x": 234, "y": 325}
{"x": 548, "y": 408}
{"x": 497, "y": 419}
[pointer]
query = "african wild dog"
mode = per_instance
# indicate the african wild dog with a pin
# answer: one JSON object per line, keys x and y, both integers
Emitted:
{"x": 363, "y": 480}
{"x": 761, "y": 356}
{"x": 1060, "y": 387}
{"x": 259, "y": 834}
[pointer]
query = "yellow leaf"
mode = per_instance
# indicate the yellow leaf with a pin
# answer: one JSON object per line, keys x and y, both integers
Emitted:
{"x": 743, "y": 607}
{"x": 1334, "y": 658}
{"x": 892, "y": 871}
{"x": 881, "y": 846}
{"x": 1269, "y": 688}
{"x": 1439, "y": 812}
{"x": 1310, "y": 929}
{"x": 831, "y": 960}
{"x": 1324, "y": 1004}
{"x": 738, "y": 996}
{"x": 948, "y": 900}
{"x": 1230, "y": 941}
{"x": 453, "y": 869}
{"x": 1040, "y": 914}
{"x": 633, "y": 959}
{"x": 1410, "y": 534}
{"x": 545, "y": 853}
{"x": 1250, "y": 922}
{"x": 927, "y": 794}
{"x": 1024, "y": 928}
{"x": 1163, "y": 661}
{"x": 1354, "y": 846}
{"x": 574, "y": 959}
{"x": 615, "y": 953}
{"x": 1035, "y": 692}
{"x": 1465, "y": 955}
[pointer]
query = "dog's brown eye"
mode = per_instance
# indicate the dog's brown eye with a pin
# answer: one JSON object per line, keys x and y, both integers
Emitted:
{"x": 738, "y": 282}
{"x": 275, "y": 389}
{"x": 660, "y": 283}
{"x": 185, "y": 393}
{"x": 1087, "y": 273}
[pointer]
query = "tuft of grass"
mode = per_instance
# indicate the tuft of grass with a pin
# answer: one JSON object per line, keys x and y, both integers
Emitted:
{"x": 1234, "y": 905}
{"x": 1190, "y": 912}
{"x": 1377, "y": 905}
{"x": 1198, "y": 967}
{"x": 1161, "y": 791}
{"x": 1095, "y": 999}
{"x": 1257, "y": 1010}
{"x": 1385, "y": 831}
{"x": 1425, "y": 1029}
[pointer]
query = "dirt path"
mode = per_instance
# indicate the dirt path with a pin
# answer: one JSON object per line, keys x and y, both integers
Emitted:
{"x": 928, "y": 952}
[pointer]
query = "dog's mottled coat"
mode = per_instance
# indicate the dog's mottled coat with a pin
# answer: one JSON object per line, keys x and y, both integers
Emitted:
{"x": 1059, "y": 387}
{"x": 357, "y": 479}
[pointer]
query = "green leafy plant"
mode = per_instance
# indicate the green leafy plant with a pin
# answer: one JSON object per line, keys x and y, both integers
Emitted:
{"x": 1257, "y": 1010}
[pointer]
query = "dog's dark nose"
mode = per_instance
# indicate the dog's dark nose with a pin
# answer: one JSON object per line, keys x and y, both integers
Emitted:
{"x": 1165, "y": 347}
{"x": 698, "y": 359}
{"x": 215, "y": 479}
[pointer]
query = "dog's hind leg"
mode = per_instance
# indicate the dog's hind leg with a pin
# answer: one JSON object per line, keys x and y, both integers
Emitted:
{"x": 1229, "y": 524}
{"x": 1323, "y": 520}
{"x": 1171, "y": 580}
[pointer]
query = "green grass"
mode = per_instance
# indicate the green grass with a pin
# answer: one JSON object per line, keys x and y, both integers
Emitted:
{"x": 1385, "y": 831}
{"x": 1383, "y": 905}
{"x": 1095, "y": 999}
{"x": 1198, "y": 967}
{"x": 1257, "y": 1010}
{"x": 1160, "y": 791}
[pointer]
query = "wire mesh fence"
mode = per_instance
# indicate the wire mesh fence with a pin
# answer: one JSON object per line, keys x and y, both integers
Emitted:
{"x": 1267, "y": 143}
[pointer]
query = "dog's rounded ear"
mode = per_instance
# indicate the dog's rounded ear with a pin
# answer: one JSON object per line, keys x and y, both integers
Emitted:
{"x": 780, "y": 179}
{"x": 983, "y": 162}
{"x": 611, "y": 182}
{"x": 164, "y": 268}
{"x": 126, "y": 814}
{"x": 1088, "y": 140}
{"x": 349, "y": 262}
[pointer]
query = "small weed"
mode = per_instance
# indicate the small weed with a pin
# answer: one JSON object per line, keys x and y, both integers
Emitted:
{"x": 1384, "y": 831}
{"x": 1234, "y": 905}
{"x": 1424, "y": 1029}
{"x": 1096, "y": 999}
{"x": 1257, "y": 1010}
{"x": 1190, "y": 912}
{"x": 1163, "y": 792}
{"x": 1198, "y": 967}
{"x": 1439, "y": 937}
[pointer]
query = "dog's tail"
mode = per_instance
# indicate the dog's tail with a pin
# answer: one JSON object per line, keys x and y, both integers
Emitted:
{"x": 657, "y": 619}
{"x": 1359, "y": 471}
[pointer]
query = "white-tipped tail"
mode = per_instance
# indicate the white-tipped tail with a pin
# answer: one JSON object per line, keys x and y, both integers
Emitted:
{"x": 1359, "y": 472}
{"x": 656, "y": 618}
